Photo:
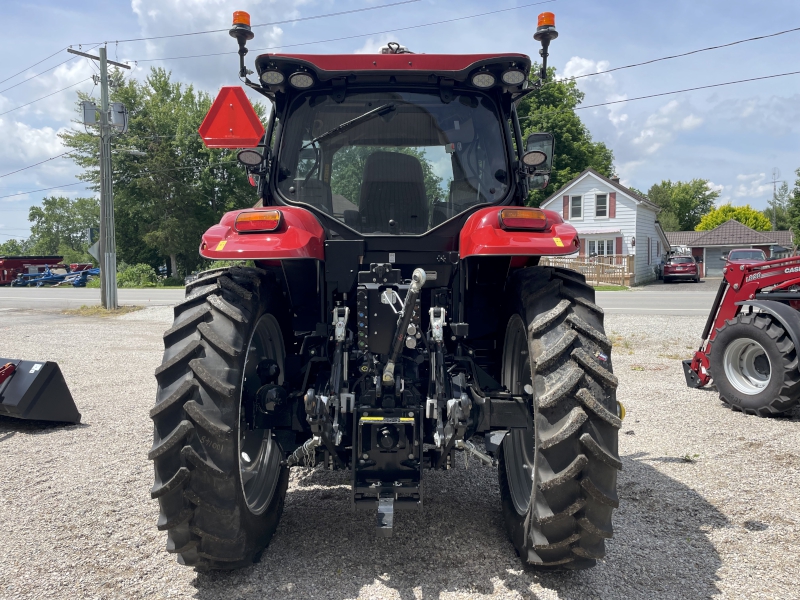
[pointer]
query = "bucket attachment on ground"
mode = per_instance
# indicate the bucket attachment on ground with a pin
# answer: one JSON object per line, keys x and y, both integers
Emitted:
{"x": 35, "y": 390}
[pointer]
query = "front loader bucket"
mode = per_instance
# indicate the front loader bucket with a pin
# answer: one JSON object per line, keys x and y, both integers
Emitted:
{"x": 692, "y": 380}
{"x": 36, "y": 391}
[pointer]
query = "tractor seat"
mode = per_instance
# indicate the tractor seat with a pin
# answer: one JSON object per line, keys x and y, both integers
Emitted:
{"x": 393, "y": 198}
{"x": 316, "y": 193}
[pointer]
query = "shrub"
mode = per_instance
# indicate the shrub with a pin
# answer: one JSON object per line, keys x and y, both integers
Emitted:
{"x": 141, "y": 275}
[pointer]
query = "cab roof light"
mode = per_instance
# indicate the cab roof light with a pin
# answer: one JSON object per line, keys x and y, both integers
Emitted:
{"x": 513, "y": 77}
{"x": 272, "y": 77}
{"x": 258, "y": 221}
{"x": 483, "y": 80}
{"x": 532, "y": 219}
{"x": 301, "y": 80}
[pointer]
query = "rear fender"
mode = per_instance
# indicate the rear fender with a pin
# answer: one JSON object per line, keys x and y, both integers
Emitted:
{"x": 299, "y": 235}
{"x": 482, "y": 235}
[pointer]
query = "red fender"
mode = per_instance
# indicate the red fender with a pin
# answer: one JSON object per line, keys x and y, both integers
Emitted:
{"x": 299, "y": 236}
{"x": 482, "y": 235}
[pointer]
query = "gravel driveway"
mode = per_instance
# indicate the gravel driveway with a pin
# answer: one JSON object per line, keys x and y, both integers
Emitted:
{"x": 709, "y": 503}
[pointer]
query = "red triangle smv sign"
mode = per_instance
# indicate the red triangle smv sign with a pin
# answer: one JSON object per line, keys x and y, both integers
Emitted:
{"x": 231, "y": 121}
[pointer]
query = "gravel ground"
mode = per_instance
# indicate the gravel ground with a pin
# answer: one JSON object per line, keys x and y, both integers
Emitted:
{"x": 709, "y": 504}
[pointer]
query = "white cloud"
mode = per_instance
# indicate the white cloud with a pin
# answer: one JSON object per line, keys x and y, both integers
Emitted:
{"x": 374, "y": 45}
{"x": 752, "y": 186}
{"x": 601, "y": 85}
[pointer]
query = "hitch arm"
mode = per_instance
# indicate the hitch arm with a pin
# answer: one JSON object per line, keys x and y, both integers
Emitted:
{"x": 417, "y": 281}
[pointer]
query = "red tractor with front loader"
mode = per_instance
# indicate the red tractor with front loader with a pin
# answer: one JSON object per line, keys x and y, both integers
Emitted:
{"x": 396, "y": 314}
{"x": 752, "y": 336}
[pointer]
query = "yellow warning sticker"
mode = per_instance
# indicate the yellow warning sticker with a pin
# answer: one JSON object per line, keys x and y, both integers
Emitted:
{"x": 221, "y": 245}
{"x": 558, "y": 242}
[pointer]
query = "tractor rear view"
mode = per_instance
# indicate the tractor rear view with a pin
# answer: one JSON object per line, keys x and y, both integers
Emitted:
{"x": 752, "y": 338}
{"x": 396, "y": 314}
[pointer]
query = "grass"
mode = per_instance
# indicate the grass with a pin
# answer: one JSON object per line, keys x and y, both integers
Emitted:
{"x": 690, "y": 458}
{"x": 611, "y": 288}
{"x": 99, "y": 311}
{"x": 621, "y": 343}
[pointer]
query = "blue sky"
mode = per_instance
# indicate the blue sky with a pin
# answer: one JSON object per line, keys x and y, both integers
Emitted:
{"x": 733, "y": 136}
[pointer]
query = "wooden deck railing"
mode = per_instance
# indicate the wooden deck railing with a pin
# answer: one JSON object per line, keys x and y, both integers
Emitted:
{"x": 616, "y": 269}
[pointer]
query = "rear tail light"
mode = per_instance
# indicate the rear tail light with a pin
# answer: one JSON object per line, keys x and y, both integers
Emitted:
{"x": 258, "y": 221}
{"x": 523, "y": 218}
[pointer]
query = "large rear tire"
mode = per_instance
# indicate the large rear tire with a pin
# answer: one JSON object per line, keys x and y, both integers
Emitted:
{"x": 219, "y": 483}
{"x": 558, "y": 486}
{"x": 754, "y": 365}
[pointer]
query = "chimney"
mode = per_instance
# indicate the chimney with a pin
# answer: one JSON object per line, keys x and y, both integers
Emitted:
{"x": 614, "y": 178}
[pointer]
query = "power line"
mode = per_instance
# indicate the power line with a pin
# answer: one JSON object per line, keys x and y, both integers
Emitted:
{"x": 655, "y": 60}
{"x": 43, "y": 97}
{"x": 43, "y": 72}
{"x": 352, "y": 37}
{"x": 33, "y": 65}
{"x": 36, "y": 164}
{"x": 297, "y": 20}
{"x": 702, "y": 87}
{"x": 55, "y": 187}
{"x": 37, "y": 75}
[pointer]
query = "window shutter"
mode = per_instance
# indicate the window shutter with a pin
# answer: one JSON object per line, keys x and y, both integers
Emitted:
{"x": 582, "y": 249}
{"x": 612, "y": 205}
{"x": 619, "y": 246}
{"x": 566, "y": 208}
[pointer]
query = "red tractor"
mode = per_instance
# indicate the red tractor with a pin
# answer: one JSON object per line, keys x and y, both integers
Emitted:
{"x": 396, "y": 314}
{"x": 751, "y": 339}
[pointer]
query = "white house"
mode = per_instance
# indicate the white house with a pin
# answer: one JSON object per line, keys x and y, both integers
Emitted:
{"x": 612, "y": 220}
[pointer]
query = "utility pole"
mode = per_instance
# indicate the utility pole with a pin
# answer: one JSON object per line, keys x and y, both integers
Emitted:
{"x": 776, "y": 175}
{"x": 108, "y": 240}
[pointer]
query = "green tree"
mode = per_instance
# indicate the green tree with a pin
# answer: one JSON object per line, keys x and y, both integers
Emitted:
{"x": 777, "y": 210}
{"x": 59, "y": 226}
{"x": 746, "y": 215}
{"x": 165, "y": 200}
{"x": 683, "y": 203}
{"x": 552, "y": 109}
{"x": 14, "y": 247}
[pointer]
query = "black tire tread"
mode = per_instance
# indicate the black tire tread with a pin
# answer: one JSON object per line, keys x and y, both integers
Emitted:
{"x": 788, "y": 395}
{"x": 575, "y": 418}
{"x": 195, "y": 419}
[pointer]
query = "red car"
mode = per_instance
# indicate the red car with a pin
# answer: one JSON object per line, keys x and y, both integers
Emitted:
{"x": 681, "y": 267}
{"x": 745, "y": 256}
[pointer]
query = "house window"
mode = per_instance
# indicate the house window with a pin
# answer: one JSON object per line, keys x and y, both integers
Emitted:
{"x": 601, "y": 206}
{"x": 601, "y": 247}
{"x": 576, "y": 207}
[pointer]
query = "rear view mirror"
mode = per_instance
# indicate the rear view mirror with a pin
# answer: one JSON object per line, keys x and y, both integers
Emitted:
{"x": 538, "y": 155}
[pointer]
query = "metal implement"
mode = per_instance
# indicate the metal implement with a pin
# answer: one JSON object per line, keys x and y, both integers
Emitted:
{"x": 417, "y": 281}
{"x": 35, "y": 391}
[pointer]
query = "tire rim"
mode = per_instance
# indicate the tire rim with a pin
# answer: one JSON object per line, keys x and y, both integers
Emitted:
{"x": 747, "y": 366}
{"x": 518, "y": 445}
{"x": 259, "y": 454}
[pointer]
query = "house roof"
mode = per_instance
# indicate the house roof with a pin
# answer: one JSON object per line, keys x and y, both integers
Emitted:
{"x": 615, "y": 184}
{"x": 730, "y": 233}
{"x": 683, "y": 238}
